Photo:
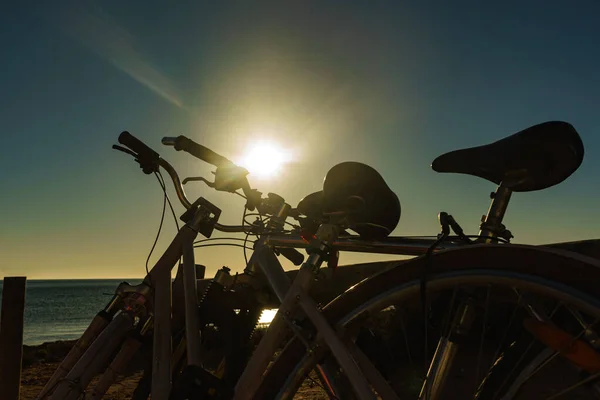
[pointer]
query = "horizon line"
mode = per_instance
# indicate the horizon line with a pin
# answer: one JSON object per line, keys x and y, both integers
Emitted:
{"x": 73, "y": 279}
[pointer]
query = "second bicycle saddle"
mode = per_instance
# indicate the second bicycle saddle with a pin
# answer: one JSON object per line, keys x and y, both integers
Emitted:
{"x": 358, "y": 193}
{"x": 535, "y": 158}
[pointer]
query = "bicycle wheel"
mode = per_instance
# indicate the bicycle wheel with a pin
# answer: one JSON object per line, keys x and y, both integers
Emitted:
{"x": 505, "y": 285}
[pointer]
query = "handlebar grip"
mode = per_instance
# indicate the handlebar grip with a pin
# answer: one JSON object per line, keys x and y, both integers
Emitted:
{"x": 201, "y": 152}
{"x": 127, "y": 139}
{"x": 147, "y": 158}
{"x": 292, "y": 254}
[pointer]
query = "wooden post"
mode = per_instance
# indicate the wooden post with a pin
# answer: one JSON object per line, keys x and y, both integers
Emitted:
{"x": 11, "y": 336}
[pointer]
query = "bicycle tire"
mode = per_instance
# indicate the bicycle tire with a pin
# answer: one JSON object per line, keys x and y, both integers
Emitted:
{"x": 524, "y": 261}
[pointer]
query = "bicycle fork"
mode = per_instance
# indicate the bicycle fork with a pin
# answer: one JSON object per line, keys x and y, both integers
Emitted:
{"x": 445, "y": 353}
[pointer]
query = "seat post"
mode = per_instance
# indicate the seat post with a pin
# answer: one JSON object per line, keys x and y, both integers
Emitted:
{"x": 491, "y": 224}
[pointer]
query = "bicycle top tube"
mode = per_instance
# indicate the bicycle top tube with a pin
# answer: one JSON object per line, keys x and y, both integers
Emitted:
{"x": 408, "y": 246}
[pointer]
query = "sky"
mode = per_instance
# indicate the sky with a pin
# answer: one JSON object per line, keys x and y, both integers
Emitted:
{"x": 392, "y": 84}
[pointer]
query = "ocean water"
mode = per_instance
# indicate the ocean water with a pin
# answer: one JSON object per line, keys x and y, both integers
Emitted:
{"x": 62, "y": 309}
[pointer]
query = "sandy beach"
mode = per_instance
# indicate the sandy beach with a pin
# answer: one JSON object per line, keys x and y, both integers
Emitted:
{"x": 40, "y": 362}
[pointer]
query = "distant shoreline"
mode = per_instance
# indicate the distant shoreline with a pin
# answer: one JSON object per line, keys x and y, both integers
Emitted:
{"x": 80, "y": 279}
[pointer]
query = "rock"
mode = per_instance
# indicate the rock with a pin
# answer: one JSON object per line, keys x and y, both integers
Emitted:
{"x": 46, "y": 352}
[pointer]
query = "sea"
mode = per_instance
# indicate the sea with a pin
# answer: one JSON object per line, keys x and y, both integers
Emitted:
{"x": 63, "y": 309}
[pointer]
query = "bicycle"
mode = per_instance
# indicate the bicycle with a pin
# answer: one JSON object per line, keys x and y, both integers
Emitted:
{"x": 201, "y": 333}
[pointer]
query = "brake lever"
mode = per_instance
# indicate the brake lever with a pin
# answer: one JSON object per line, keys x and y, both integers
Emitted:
{"x": 147, "y": 167}
{"x": 198, "y": 178}
{"x": 124, "y": 150}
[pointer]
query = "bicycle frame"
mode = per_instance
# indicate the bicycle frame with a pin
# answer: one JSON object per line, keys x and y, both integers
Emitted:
{"x": 292, "y": 296}
{"x": 151, "y": 302}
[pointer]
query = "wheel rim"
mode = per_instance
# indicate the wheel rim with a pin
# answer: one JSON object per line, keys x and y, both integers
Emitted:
{"x": 484, "y": 278}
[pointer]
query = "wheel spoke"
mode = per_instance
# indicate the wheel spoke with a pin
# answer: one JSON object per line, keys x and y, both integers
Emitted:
{"x": 527, "y": 349}
{"x": 563, "y": 348}
{"x": 508, "y": 326}
{"x": 590, "y": 335}
{"x": 480, "y": 353}
{"x": 575, "y": 386}
{"x": 522, "y": 378}
{"x": 405, "y": 334}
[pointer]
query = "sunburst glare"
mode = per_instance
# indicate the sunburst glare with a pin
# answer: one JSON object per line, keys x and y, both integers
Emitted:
{"x": 264, "y": 159}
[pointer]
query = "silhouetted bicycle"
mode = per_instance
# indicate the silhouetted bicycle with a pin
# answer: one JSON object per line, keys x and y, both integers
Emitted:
{"x": 469, "y": 317}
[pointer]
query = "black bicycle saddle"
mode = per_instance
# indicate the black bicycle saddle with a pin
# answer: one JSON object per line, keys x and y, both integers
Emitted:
{"x": 358, "y": 193}
{"x": 536, "y": 158}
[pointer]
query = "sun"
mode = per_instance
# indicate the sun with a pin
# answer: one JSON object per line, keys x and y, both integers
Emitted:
{"x": 264, "y": 159}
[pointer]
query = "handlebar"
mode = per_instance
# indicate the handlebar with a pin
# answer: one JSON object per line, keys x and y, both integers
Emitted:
{"x": 176, "y": 183}
{"x": 150, "y": 160}
{"x": 197, "y": 150}
{"x": 187, "y": 204}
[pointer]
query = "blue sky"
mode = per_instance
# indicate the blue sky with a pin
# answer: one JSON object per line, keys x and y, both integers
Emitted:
{"x": 390, "y": 84}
